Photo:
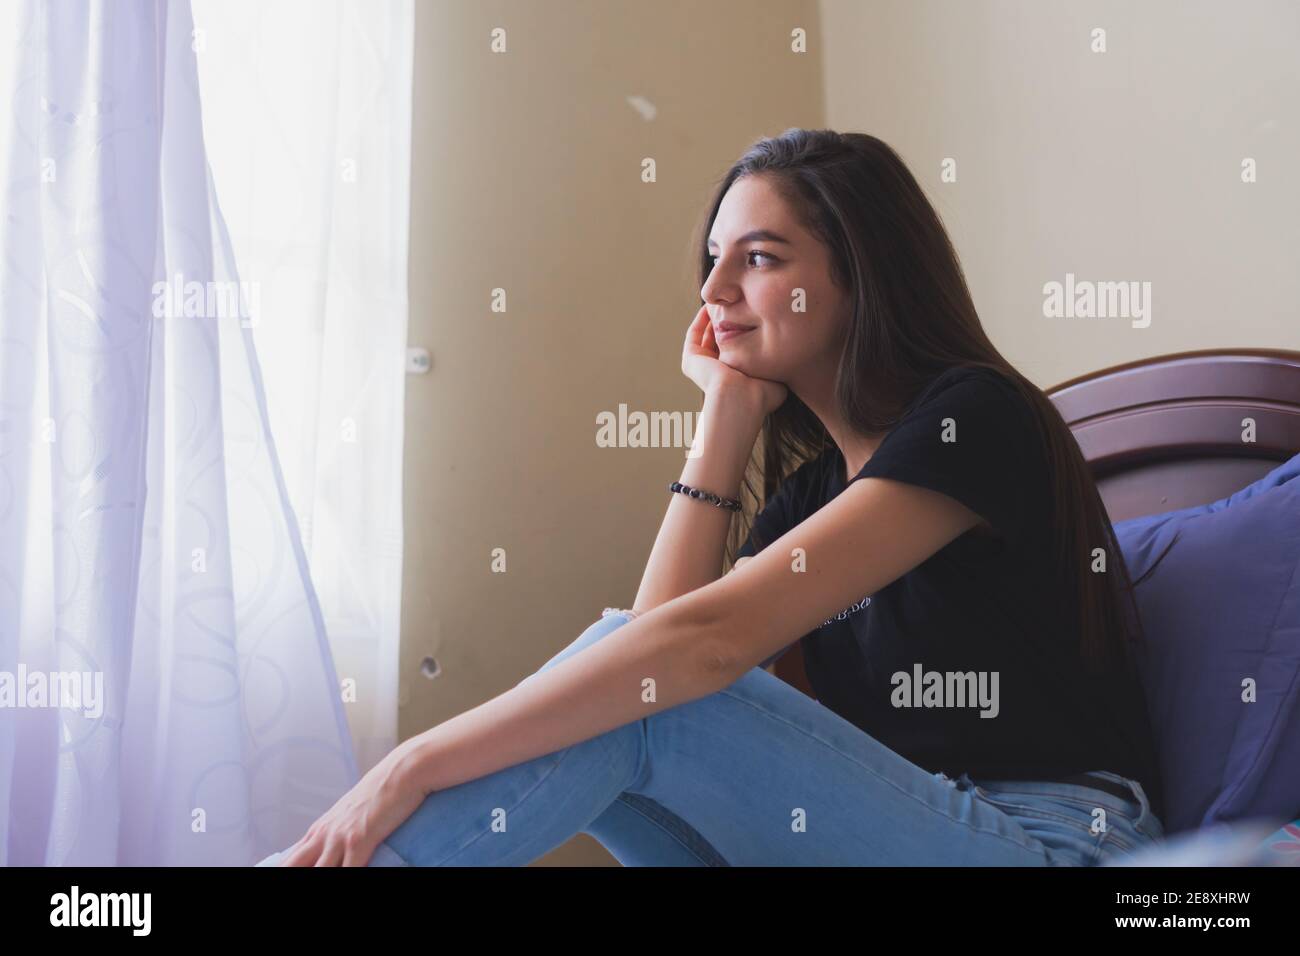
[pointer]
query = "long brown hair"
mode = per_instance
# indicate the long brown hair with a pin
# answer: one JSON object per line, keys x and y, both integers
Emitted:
{"x": 913, "y": 318}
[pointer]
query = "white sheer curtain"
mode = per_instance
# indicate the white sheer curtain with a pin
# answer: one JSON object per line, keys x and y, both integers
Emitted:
{"x": 307, "y": 111}
{"x": 148, "y": 538}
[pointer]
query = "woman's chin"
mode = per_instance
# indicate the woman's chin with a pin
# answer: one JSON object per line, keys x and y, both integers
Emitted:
{"x": 735, "y": 356}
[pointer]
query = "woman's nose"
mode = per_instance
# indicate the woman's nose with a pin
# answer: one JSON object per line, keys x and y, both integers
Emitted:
{"x": 715, "y": 291}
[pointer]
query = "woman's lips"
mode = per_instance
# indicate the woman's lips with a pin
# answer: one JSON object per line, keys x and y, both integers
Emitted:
{"x": 726, "y": 331}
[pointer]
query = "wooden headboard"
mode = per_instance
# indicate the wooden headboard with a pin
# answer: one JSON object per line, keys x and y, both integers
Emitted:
{"x": 1168, "y": 432}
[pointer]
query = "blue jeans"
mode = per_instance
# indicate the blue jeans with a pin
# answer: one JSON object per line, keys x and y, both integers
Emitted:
{"x": 760, "y": 774}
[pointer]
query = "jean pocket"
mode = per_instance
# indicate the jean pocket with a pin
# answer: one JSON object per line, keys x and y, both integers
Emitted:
{"x": 1126, "y": 827}
{"x": 1065, "y": 828}
{"x": 1115, "y": 839}
{"x": 1036, "y": 805}
{"x": 1124, "y": 837}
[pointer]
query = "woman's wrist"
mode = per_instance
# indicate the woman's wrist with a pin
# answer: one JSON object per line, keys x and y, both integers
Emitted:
{"x": 732, "y": 415}
{"x": 724, "y": 439}
{"x": 739, "y": 399}
{"x": 409, "y": 768}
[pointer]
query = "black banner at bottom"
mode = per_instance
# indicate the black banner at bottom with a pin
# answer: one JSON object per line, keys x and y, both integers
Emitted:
{"x": 272, "y": 904}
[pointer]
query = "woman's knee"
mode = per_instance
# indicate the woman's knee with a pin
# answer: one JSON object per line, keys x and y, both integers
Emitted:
{"x": 610, "y": 621}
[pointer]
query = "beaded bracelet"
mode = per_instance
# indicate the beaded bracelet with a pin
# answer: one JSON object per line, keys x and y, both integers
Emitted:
{"x": 718, "y": 502}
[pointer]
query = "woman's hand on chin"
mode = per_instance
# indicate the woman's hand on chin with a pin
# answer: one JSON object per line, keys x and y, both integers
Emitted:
{"x": 702, "y": 365}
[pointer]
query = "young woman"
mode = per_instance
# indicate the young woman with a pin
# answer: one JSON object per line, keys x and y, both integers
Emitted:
{"x": 930, "y": 535}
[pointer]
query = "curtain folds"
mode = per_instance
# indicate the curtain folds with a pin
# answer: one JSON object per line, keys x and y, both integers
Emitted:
{"x": 152, "y": 557}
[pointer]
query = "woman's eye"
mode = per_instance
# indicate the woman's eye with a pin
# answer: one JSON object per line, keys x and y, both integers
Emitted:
{"x": 713, "y": 260}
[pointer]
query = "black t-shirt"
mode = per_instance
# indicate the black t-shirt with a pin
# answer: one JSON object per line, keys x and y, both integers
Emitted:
{"x": 980, "y": 606}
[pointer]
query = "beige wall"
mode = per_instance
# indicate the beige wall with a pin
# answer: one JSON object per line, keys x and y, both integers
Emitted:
{"x": 1123, "y": 165}
{"x": 526, "y": 176}
{"x": 1117, "y": 166}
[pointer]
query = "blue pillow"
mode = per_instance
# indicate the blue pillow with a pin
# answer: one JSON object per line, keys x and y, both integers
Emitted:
{"x": 1223, "y": 606}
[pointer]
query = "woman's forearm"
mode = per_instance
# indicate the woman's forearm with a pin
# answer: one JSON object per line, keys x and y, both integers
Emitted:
{"x": 687, "y": 552}
{"x": 656, "y": 661}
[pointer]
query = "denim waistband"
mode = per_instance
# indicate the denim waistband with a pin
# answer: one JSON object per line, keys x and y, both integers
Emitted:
{"x": 1064, "y": 816}
{"x": 1138, "y": 809}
